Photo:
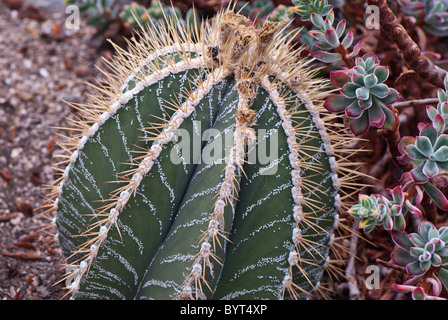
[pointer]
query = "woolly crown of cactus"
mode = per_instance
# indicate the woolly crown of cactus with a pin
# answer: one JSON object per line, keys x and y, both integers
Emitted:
{"x": 134, "y": 225}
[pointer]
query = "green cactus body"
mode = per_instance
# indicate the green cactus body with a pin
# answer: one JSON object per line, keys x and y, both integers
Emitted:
{"x": 142, "y": 215}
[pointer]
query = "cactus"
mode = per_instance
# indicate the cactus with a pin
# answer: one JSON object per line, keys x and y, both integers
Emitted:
{"x": 141, "y": 214}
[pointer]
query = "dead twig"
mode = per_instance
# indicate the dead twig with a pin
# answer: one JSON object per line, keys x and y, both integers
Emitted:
{"x": 415, "y": 103}
{"x": 411, "y": 53}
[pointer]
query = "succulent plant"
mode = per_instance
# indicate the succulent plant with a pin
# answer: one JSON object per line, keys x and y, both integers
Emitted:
{"x": 439, "y": 115}
{"x": 432, "y": 13}
{"x": 375, "y": 210}
{"x": 305, "y": 8}
{"x": 364, "y": 96}
{"x": 281, "y": 13}
{"x": 428, "y": 152}
{"x": 142, "y": 215}
{"x": 420, "y": 251}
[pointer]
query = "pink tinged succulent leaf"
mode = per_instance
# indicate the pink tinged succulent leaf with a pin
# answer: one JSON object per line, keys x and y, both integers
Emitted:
{"x": 349, "y": 90}
{"x": 366, "y": 104}
{"x": 417, "y": 240}
{"x": 360, "y": 126}
{"x": 441, "y": 155}
{"x": 439, "y": 123}
{"x": 377, "y": 117}
{"x": 431, "y": 112}
{"x": 392, "y": 97}
{"x": 359, "y": 70}
{"x": 397, "y": 194}
{"x": 432, "y": 235}
{"x": 353, "y": 111}
{"x": 337, "y": 103}
{"x": 388, "y": 223}
{"x": 436, "y": 195}
{"x": 430, "y": 168}
{"x": 381, "y": 90}
{"x": 362, "y": 93}
{"x": 399, "y": 222}
{"x": 418, "y": 294}
{"x": 339, "y": 78}
{"x": 374, "y": 58}
{"x": 357, "y": 79}
{"x": 423, "y": 229}
{"x": 424, "y": 145}
{"x": 370, "y": 80}
{"x": 425, "y": 265}
{"x": 444, "y": 108}
{"x": 430, "y": 132}
{"x": 391, "y": 118}
{"x": 326, "y": 57}
{"x": 317, "y": 34}
{"x": 416, "y": 251}
{"x": 414, "y": 268}
{"x": 438, "y": 243}
{"x": 402, "y": 240}
{"x": 356, "y": 50}
{"x": 382, "y": 73}
{"x": 401, "y": 257}
{"x": 442, "y": 274}
{"x": 441, "y": 141}
{"x": 418, "y": 176}
{"x": 413, "y": 209}
{"x": 323, "y": 45}
{"x": 317, "y": 20}
{"x": 332, "y": 38}
{"x": 348, "y": 40}
{"x": 402, "y": 288}
{"x": 436, "y": 285}
{"x": 419, "y": 196}
{"x": 443, "y": 234}
{"x": 404, "y": 142}
{"x": 328, "y": 25}
{"x": 340, "y": 28}
{"x": 441, "y": 95}
{"x": 414, "y": 153}
{"x": 436, "y": 260}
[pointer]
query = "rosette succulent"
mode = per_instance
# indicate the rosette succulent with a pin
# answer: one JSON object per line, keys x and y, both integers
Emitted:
{"x": 432, "y": 13}
{"x": 364, "y": 96}
{"x": 376, "y": 209}
{"x": 428, "y": 152}
{"x": 420, "y": 251}
{"x": 372, "y": 211}
{"x": 306, "y": 8}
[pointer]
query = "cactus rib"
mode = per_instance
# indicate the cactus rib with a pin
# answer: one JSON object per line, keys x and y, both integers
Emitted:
{"x": 195, "y": 244}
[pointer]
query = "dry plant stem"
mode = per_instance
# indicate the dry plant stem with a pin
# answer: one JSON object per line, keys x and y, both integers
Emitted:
{"x": 416, "y": 103}
{"x": 344, "y": 54}
{"x": 393, "y": 138}
{"x": 410, "y": 51}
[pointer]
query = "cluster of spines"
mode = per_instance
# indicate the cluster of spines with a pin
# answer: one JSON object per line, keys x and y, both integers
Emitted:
{"x": 138, "y": 65}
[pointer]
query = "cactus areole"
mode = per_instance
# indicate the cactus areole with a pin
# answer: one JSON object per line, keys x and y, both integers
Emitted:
{"x": 167, "y": 193}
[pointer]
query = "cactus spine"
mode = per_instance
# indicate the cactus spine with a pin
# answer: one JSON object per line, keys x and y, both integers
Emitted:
{"x": 222, "y": 229}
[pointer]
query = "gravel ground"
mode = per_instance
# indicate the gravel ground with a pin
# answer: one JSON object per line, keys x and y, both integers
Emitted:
{"x": 40, "y": 64}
